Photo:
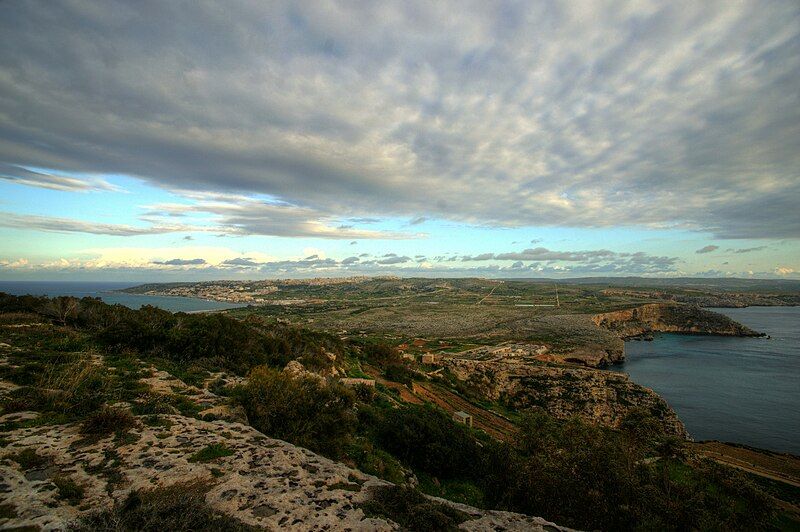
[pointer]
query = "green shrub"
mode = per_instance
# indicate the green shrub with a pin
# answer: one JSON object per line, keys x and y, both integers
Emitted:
{"x": 412, "y": 510}
{"x": 304, "y": 410}
{"x": 425, "y": 438}
{"x": 400, "y": 373}
{"x": 374, "y": 461}
{"x": 380, "y": 353}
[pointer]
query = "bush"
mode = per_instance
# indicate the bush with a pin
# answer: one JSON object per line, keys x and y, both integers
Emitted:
{"x": 106, "y": 421}
{"x": 400, "y": 373}
{"x": 425, "y": 438}
{"x": 304, "y": 411}
{"x": 412, "y": 510}
{"x": 380, "y": 353}
{"x": 178, "y": 508}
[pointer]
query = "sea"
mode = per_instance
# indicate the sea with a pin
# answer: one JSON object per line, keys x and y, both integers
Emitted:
{"x": 741, "y": 390}
{"x": 110, "y": 293}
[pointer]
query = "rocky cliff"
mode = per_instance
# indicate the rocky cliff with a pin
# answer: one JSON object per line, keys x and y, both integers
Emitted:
{"x": 600, "y": 396}
{"x": 670, "y": 317}
{"x": 265, "y": 483}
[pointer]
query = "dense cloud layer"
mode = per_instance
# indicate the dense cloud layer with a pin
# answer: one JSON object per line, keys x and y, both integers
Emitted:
{"x": 579, "y": 113}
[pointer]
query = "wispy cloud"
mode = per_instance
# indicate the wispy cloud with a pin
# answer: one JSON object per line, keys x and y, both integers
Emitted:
{"x": 68, "y": 225}
{"x": 53, "y": 181}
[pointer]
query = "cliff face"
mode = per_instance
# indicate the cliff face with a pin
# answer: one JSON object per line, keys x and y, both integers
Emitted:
{"x": 670, "y": 317}
{"x": 599, "y": 396}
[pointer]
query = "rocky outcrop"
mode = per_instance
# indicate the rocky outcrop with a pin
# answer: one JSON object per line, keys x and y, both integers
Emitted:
{"x": 670, "y": 318}
{"x": 264, "y": 482}
{"x": 599, "y": 396}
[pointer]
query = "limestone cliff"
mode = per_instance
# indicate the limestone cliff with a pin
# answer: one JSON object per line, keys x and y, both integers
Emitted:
{"x": 600, "y": 396}
{"x": 672, "y": 318}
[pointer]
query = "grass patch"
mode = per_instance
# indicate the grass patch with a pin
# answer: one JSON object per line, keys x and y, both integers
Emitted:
{"x": 453, "y": 490}
{"x": 212, "y": 452}
{"x": 178, "y": 508}
{"x": 68, "y": 489}
{"x": 108, "y": 420}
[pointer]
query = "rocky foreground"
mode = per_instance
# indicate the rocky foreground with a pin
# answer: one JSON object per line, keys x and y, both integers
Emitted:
{"x": 262, "y": 482}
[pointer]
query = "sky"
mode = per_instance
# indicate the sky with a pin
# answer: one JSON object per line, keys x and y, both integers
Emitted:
{"x": 190, "y": 140}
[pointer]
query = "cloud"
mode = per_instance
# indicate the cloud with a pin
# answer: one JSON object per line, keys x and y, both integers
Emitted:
{"x": 418, "y": 220}
{"x": 590, "y": 261}
{"x": 67, "y": 225}
{"x": 394, "y": 260}
{"x": 245, "y": 216}
{"x": 53, "y": 181}
{"x": 241, "y": 261}
{"x": 783, "y": 270}
{"x": 707, "y": 249}
{"x": 519, "y": 115}
{"x": 181, "y": 262}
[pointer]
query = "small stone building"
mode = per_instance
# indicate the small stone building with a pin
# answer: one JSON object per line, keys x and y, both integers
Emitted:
{"x": 429, "y": 358}
{"x": 462, "y": 417}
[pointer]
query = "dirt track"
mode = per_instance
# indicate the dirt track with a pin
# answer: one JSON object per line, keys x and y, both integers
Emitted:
{"x": 781, "y": 467}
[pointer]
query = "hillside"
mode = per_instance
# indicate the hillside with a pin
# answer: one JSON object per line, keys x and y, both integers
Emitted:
{"x": 115, "y": 419}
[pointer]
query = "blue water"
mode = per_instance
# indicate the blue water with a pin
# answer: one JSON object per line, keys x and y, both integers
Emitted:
{"x": 743, "y": 390}
{"x": 108, "y": 292}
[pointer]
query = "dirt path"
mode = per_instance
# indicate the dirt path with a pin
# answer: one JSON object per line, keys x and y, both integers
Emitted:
{"x": 493, "y": 424}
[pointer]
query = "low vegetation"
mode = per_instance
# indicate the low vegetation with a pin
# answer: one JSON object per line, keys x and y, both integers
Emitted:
{"x": 212, "y": 452}
{"x": 178, "y": 508}
{"x": 107, "y": 421}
